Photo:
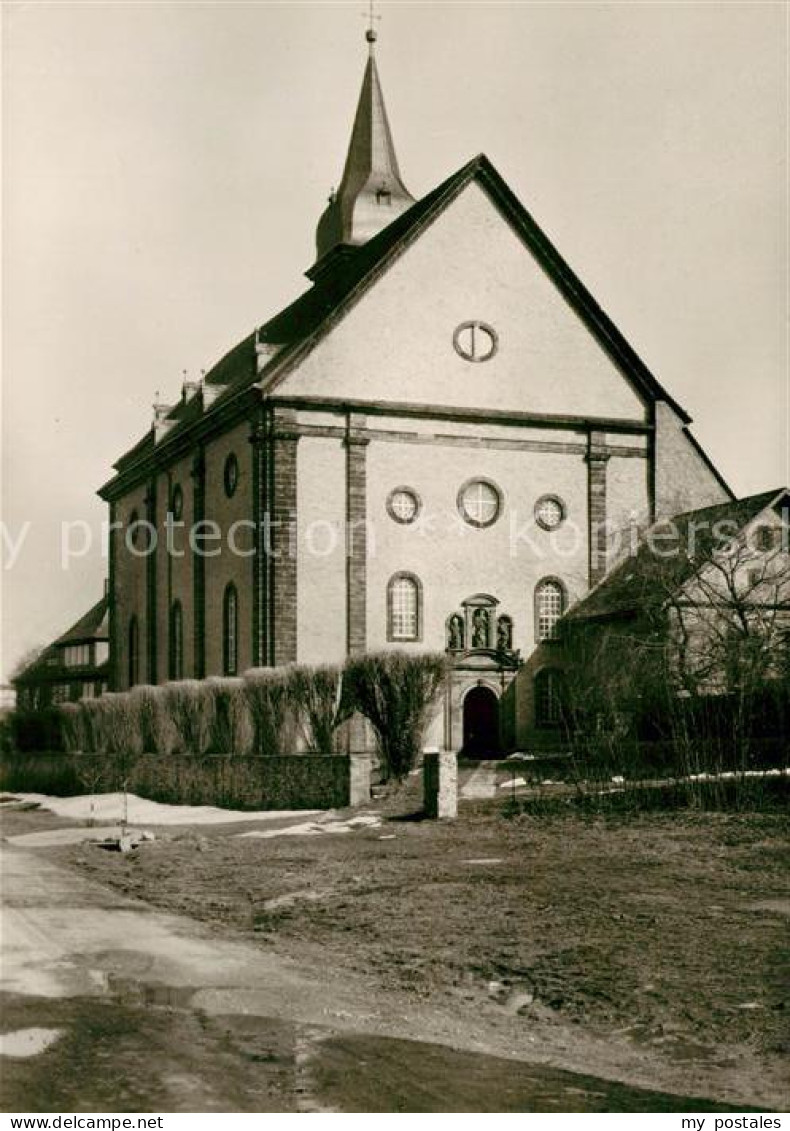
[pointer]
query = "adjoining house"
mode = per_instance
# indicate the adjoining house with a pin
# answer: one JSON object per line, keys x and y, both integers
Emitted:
{"x": 425, "y": 450}
{"x": 702, "y": 607}
{"x": 75, "y": 666}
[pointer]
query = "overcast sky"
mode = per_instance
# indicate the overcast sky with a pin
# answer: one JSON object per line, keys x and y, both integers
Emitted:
{"x": 164, "y": 166}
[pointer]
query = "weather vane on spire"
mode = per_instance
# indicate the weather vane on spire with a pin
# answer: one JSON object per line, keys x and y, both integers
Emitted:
{"x": 371, "y": 35}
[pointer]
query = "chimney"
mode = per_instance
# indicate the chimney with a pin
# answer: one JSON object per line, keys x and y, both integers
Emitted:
{"x": 161, "y": 424}
{"x": 190, "y": 388}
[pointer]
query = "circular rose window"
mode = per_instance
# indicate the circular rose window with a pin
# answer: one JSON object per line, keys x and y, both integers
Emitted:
{"x": 479, "y": 502}
{"x": 475, "y": 341}
{"x": 549, "y": 512}
{"x": 403, "y": 505}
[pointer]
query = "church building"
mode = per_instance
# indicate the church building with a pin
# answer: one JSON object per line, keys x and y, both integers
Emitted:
{"x": 429, "y": 449}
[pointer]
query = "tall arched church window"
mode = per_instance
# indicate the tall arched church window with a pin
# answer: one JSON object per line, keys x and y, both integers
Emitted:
{"x": 549, "y": 606}
{"x": 404, "y": 612}
{"x": 230, "y": 630}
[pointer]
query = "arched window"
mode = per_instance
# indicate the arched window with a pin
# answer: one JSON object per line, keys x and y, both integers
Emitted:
{"x": 230, "y": 630}
{"x": 548, "y": 697}
{"x": 134, "y": 652}
{"x": 549, "y": 607}
{"x": 404, "y": 613}
{"x": 176, "y": 641}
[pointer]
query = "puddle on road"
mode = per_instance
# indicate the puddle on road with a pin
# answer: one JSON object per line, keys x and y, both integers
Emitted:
{"x": 27, "y": 1042}
{"x": 357, "y": 1073}
{"x": 364, "y": 1072}
{"x": 130, "y": 991}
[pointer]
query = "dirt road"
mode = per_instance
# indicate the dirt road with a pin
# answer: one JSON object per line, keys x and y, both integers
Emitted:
{"x": 147, "y": 1011}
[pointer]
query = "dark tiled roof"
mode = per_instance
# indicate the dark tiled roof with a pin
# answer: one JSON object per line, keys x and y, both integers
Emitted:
{"x": 141, "y": 448}
{"x": 94, "y": 625}
{"x": 643, "y": 579}
{"x": 40, "y": 668}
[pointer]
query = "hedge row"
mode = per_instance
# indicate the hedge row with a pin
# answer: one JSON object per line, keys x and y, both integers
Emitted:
{"x": 264, "y": 712}
{"x": 267, "y": 711}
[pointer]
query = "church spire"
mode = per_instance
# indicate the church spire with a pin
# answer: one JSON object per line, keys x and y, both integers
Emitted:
{"x": 371, "y": 193}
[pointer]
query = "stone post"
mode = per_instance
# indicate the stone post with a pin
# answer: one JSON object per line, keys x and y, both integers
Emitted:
{"x": 358, "y": 779}
{"x": 440, "y": 784}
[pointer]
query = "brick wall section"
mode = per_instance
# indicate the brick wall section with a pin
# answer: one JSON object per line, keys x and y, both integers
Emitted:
{"x": 259, "y": 570}
{"x": 112, "y": 611}
{"x": 129, "y": 589}
{"x": 356, "y": 536}
{"x": 198, "y": 473}
{"x": 151, "y": 586}
{"x": 597, "y": 459}
{"x": 283, "y": 574}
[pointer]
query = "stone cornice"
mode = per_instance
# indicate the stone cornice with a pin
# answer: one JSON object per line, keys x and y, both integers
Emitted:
{"x": 583, "y": 424}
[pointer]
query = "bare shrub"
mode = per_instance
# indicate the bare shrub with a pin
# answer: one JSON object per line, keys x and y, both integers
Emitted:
{"x": 157, "y": 730}
{"x": 315, "y": 699}
{"x": 73, "y": 728}
{"x": 91, "y": 721}
{"x": 272, "y": 710}
{"x": 682, "y": 670}
{"x": 232, "y": 730}
{"x": 395, "y": 692}
{"x": 119, "y": 724}
{"x": 190, "y": 706}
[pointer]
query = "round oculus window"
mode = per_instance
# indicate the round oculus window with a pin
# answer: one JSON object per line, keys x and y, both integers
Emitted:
{"x": 475, "y": 341}
{"x": 403, "y": 505}
{"x": 549, "y": 512}
{"x": 479, "y": 502}
{"x": 177, "y": 502}
{"x": 231, "y": 474}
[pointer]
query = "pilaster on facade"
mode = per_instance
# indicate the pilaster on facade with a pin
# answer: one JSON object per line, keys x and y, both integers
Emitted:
{"x": 282, "y": 529}
{"x": 198, "y": 475}
{"x": 112, "y": 608}
{"x": 356, "y": 445}
{"x": 597, "y": 459}
{"x": 258, "y": 448}
{"x": 151, "y": 619}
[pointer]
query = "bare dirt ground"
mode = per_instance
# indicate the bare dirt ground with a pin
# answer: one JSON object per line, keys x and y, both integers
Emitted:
{"x": 649, "y": 949}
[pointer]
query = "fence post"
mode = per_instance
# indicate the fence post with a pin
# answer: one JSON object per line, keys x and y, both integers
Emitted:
{"x": 440, "y": 784}
{"x": 358, "y": 779}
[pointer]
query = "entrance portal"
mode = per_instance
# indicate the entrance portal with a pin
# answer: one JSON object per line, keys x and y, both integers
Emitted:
{"x": 481, "y": 723}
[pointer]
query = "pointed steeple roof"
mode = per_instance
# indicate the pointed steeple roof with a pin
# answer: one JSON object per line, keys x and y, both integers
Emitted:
{"x": 371, "y": 193}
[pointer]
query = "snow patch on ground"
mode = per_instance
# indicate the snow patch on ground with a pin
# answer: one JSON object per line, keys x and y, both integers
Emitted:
{"x": 318, "y": 828}
{"x": 50, "y": 838}
{"x": 109, "y": 808}
{"x": 27, "y": 1042}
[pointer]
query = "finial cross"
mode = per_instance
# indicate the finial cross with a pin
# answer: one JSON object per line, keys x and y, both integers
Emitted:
{"x": 371, "y": 17}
